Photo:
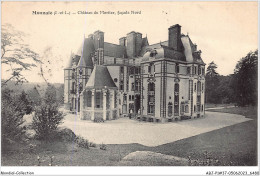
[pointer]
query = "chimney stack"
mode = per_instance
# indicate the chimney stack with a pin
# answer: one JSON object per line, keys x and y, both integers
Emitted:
{"x": 130, "y": 48}
{"x": 174, "y": 40}
{"x": 138, "y": 43}
{"x": 122, "y": 41}
{"x": 91, "y": 36}
{"x": 98, "y": 39}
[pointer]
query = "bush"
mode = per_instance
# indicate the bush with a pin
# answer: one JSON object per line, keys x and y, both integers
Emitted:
{"x": 103, "y": 147}
{"x": 12, "y": 112}
{"x": 83, "y": 143}
{"x": 92, "y": 144}
{"x": 46, "y": 120}
{"x": 67, "y": 135}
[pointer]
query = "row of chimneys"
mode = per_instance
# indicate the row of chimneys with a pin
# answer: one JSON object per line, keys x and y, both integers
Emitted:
{"x": 133, "y": 40}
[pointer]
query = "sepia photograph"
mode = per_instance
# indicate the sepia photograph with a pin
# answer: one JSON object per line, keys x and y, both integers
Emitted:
{"x": 129, "y": 84}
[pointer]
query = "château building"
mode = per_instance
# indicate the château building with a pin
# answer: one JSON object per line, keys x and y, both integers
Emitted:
{"x": 161, "y": 82}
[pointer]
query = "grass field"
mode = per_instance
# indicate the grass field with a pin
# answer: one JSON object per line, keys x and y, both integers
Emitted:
{"x": 248, "y": 112}
{"x": 209, "y": 105}
{"x": 233, "y": 145}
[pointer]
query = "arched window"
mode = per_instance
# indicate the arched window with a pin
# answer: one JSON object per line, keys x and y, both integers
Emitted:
{"x": 170, "y": 109}
{"x": 186, "y": 108}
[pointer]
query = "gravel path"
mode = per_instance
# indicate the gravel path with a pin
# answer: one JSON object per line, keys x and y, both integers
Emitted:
{"x": 125, "y": 131}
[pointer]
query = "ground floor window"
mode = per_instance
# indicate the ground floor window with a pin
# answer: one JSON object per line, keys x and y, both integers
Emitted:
{"x": 89, "y": 98}
{"x": 98, "y": 100}
{"x": 186, "y": 108}
{"x": 182, "y": 109}
{"x": 176, "y": 110}
{"x": 169, "y": 109}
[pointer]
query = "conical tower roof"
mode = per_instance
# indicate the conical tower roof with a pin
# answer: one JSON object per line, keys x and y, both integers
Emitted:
{"x": 85, "y": 53}
{"x": 100, "y": 78}
{"x": 70, "y": 61}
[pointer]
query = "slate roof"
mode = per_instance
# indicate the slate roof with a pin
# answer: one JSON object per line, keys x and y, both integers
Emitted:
{"x": 163, "y": 51}
{"x": 100, "y": 77}
{"x": 114, "y": 50}
{"x": 88, "y": 49}
{"x": 153, "y": 46}
{"x": 70, "y": 61}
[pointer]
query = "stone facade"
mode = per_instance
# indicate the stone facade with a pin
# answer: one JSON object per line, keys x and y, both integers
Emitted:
{"x": 162, "y": 82}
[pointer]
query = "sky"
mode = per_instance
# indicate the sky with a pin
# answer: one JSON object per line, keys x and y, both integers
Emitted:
{"x": 224, "y": 31}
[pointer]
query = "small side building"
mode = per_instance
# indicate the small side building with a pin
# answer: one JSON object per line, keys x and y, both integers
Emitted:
{"x": 98, "y": 99}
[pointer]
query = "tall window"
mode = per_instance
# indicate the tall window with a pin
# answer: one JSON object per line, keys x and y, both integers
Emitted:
{"x": 151, "y": 68}
{"x": 151, "y": 98}
{"x": 121, "y": 70}
{"x": 176, "y": 99}
{"x": 121, "y": 85}
{"x": 89, "y": 98}
{"x": 177, "y": 68}
{"x": 133, "y": 87}
{"x": 98, "y": 100}
{"x": 199, "y": 86}
{"x": 186, "y": 108}
{"x": 195, "y": 87}
{"x": 137, "y": 85}
{"x": 169, "y": 109}
{"x": 188, "y": 70}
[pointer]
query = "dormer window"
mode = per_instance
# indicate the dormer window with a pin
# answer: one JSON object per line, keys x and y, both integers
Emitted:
{"x": 153, "y": 53}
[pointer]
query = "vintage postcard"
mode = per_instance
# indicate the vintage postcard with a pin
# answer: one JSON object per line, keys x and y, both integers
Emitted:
{"x": 129, "y": 84}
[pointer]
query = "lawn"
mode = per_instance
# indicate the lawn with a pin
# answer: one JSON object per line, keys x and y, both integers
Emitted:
{"x": 232, "y": 145}
{"x": 248, "y": 112}
{"x": 210, "y": 105}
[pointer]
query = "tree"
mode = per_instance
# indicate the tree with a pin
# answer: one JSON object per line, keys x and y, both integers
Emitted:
{"x": 212, "y": 82}
{"x": 16, "y": 54}
{"x": 224, "y": 90}
{"x": 12, "y": 111}
{"x": 60, "y": 94}
{"x": 50, "y": 94}
{"x": 26, "y": 102}
{"x": 34, "y": 96}
{"x": 47, "y": 116}
{"x": 245, "y": 80}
